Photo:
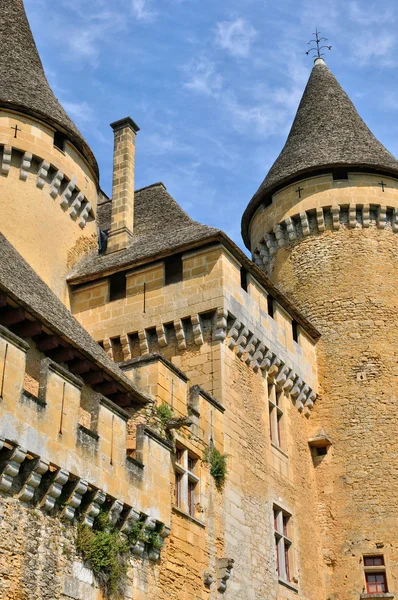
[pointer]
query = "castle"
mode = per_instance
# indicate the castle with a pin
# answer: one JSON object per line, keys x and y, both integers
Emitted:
{"x": 178, "y": 422}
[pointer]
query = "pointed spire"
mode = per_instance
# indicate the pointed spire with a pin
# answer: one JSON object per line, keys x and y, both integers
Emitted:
{"x": 23, "y": 84}
{"x": 327, "y": 132}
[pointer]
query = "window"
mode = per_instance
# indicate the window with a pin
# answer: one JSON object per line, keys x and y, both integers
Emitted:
{"x": 243, "y": 279}
{"x": 283, "y": 543}
{"x": 173, "y": 269}
{"x": 375, "y": 574}
{"x": 59, "y": 140}
{"x": 117, "y": 286}
{"x": 295, "y": 331}
{"x": 339, "y": 174}
{"x": 270, "y": 306}
{"x": 275, "y": 414}
{"x": 186, "y": 480}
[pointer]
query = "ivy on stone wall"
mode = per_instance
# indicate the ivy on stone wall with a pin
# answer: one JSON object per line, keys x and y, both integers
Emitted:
{"x": 218, "y": 465}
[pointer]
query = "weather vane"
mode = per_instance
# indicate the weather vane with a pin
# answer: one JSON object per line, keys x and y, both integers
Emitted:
{"x": 318, "y": 41}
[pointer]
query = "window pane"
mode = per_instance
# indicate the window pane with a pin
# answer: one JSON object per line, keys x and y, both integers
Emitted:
{"x": 276, "y": 512}
{"x": 191, "y": 463}
{"x": 375, "y": 582}
{"x": 191, "y": 498}
{"x": 287, "y": 562}
{"x": 179, "y": 455}
{"x": 277, "y": 556}
{"x": 285, "y": 522}
{"x": 374, "y": 561}
{"x": 177, "y": 490}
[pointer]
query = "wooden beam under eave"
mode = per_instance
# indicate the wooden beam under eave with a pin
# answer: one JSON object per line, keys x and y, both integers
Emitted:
{"x": 48, "y": 342}
{"x": 28, "y": 329}
{"x": 11, "y": 316}
{"x": 61, "y": 354}
{"x": 80, "y": 366}
{"x": 107, "y": 388}
{"x": 3, "y": 300}
{"x": 93, "y": 377}
{"x": 122, "y": 400}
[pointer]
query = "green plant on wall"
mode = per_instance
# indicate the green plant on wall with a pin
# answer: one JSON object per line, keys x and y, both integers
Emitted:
{"x": 218, "y": 465}
{"x": 106, "y": 553}
{"x": 164, "y": 412}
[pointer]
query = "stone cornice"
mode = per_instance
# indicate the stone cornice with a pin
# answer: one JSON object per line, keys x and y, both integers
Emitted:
{"x": 49, "y": 178}
{"x": 315, "y": 221}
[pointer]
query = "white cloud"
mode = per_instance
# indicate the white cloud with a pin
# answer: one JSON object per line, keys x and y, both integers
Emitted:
{"x": 372, "y": 14}
{"x": 80, "y": 111}
{"x": 203, "y": 77}
{"x": 377, "y": 49}
{"x": 142, "y": 10}
{"x": 236, "y": 37}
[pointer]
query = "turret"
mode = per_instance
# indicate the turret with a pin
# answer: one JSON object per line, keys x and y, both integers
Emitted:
{"x": 324, "y": 226}
{"x": 48, "y": 174}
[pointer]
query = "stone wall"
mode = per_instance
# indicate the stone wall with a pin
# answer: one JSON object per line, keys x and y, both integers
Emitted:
{"x": 343, "y": 280}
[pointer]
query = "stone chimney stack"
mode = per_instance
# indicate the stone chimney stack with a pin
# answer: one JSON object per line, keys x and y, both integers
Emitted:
{"x": 122, "y": 221}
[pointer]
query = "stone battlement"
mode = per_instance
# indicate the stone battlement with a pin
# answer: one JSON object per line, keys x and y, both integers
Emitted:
{"x": 49, "y": 178}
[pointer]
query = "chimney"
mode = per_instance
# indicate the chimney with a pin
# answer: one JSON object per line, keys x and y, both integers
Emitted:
{"x": 122, "y": 220}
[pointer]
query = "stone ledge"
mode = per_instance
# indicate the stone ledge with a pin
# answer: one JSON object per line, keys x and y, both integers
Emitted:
{"x": 14, "y": 339}
{"x": 89, "y": 432}
{"x": 134, "y": 461}
{"x": 33, "y": 398}
{"x": 377, "y": 596}
{"x": 154, "y": 435}
{"x": 182, "y": 513}
{"x": 289, "y": 585}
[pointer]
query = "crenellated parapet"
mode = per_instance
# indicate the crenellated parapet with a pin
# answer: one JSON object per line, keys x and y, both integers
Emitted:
{"x": 51, "y": 179}
{"x": 315, "y": 221}
{"x": 49, "y": 458}
{"x": 36, "y": 481}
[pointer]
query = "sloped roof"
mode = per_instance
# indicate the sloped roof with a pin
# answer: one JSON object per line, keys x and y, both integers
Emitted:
{"x": 161, "y": 227}
{"x": 22, "y": 284}
{"x": 327, "y": 132}
{"x": 24, "y": 86}
{"x": 164, "y": 229}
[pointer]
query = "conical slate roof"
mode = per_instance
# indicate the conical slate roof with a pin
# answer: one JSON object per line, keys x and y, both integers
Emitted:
{"x": 327, "y": 132}
{"x": 23, "y": 84}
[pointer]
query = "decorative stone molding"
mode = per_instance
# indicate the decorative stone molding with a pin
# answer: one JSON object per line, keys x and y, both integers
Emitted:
{"x": 70, "y": 497}
{"x": 197, "y": 330}
{"x": 72, "y": 198}
{"x": 247, "y": 346}
{"x": 6, "y": 160}
{"x": 10, "y": 465}
{"x": 180, "y": 334}
{"x": 25, "y": 165}
{"x": 259, "y": 357}
{"x": 224, "y": 568}
{"x": 318, "y": 220}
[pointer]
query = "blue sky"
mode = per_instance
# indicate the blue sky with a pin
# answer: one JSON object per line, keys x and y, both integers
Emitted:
{"x": 213, "y": 85}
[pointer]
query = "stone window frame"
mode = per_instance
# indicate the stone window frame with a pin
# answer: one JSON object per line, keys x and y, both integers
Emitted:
{"x": 276, "y": 414}
{"x": 186, "y": 484}
{"x": 283, "y": 528}
{"x": 374, "y": 566}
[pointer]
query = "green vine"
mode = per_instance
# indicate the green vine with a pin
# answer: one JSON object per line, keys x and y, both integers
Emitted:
{"x": 155, "y": 541}
{"x": 106, "y": 553}
{"x": 218, "y": 466}
{"x": 164, "y": 412}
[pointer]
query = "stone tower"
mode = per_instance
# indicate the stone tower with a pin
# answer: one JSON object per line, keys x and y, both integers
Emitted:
{"x": 323, "y": 225}
{"x": 48, "y": 174}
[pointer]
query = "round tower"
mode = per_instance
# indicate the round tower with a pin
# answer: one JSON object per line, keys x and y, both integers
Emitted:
{"x": 324, "y": 226}
{"x": 48, "y": 174}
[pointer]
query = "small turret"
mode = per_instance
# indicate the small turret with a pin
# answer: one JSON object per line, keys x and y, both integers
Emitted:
{"x": 24, "y": 86}
{"x": 327, "y": 134}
